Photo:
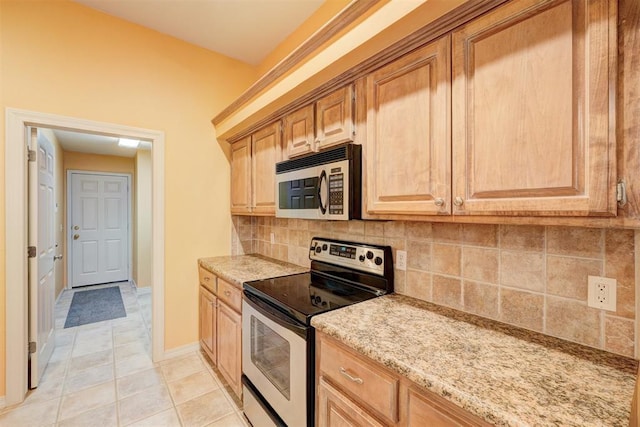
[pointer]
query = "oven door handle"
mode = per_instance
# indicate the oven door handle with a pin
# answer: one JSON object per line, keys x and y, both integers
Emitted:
{"x": 275, "y": 315}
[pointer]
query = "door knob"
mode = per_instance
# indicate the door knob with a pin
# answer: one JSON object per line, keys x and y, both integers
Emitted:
{"x": 76, "y": 236}
{"x": 75, "y": 227}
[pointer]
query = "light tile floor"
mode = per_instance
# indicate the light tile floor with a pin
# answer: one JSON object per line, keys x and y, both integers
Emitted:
{"x": 101, "y": 374}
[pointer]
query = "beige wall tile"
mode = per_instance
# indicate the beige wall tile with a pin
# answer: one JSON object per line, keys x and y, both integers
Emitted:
{"x": 418, "y": 285}
{"x": 418, "y": 230}
{"x": 620, "y": 265}
{"x": 374, "y": 228}
{"x": 619, "y": 336}
{"x": 396, "y": 243}
{"x": 447, "y": 291}
{"x": 567, "y": 277}
{"x": 419, "y": 255}
{"x": 480, "y": 235}
{"x": 356, "y": 228}
{"x": 574, "y": 241}
{"x": 394, "y": 229}
{"x": 573, "y": 321}
{"x": 523, "y": 309}
{"x": 480, "y": 264}
{"x": 522, "y": 237}
{"x": 480, "y": 299}
{"x": 446, "y": 233}
{"x": 446, "y": 259}
{"x": 524, "y": 270}
{"x": 399, "y": 281}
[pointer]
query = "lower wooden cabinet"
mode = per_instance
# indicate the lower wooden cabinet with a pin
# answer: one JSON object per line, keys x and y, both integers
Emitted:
{"x": 221, "y": 327}
{"x": 354, "y": 390}
{"x": 208, "y": 322}
{"x": 230, "y": 345}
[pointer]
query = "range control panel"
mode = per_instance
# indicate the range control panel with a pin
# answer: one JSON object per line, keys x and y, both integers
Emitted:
{"x": 359, "y": 256}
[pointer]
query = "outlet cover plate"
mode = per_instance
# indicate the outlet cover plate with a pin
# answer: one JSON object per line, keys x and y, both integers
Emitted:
{"x": 401, "y": 260}
{"x": 602, "y": 293}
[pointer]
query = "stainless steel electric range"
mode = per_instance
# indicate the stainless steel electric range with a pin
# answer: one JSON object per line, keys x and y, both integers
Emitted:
{"x": 278, "y": 351}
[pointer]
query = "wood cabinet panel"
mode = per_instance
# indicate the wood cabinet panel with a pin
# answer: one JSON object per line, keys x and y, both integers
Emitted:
{"x": 241, "y": 176}
{"x": 229, "y": 324}
{"x": 337, "y": 410}
{"x": 334, "y": 118}
{"x": 230, "y": 295}
{"x": 266, "y": 152}
{"x": 208, "y": 323}
{"x": 353, "y": 374}
{"x": 407, "y": 147}
{"x": 532, "y": 110}
{"x": 299, "y": 131}
{"x": 428, "y": 410}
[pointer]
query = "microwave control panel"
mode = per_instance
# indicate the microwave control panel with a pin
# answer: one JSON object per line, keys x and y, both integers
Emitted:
{"x": 336, "y": 193}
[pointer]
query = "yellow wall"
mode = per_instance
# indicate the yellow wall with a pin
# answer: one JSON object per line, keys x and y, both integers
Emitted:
{"x": 317, "y": 20}
{"x": 63, "y": 58}
{"x": 142, "y": 250}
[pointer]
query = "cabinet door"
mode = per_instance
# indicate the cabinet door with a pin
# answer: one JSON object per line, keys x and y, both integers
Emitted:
{"x": 407, "y": 148}
{"x": 208, "y": 323}
{"x": 533, "y": 110}
{"x": 229, "y": 346}
{"x": 266, "y": 152}
{"x": 298, "y": 132}
{"x": 334, "y": 118}
{"x": 241, "y": 176}
{"x": 432, "y": 411}
{"x": 337, "y": 410}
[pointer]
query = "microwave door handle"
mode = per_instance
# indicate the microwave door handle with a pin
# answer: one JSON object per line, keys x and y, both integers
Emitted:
{"x": 323, "y": 208}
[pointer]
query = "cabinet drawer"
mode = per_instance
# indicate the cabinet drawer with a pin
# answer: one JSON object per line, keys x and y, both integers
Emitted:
{"x": 230, "y": 294}
{"x": 362, "y": 380}
{"x": 207, "y": 279}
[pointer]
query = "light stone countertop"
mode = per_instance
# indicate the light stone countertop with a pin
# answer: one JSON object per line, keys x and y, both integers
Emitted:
{"x": 505, "y": 375}
{"x": 243, "y": 268}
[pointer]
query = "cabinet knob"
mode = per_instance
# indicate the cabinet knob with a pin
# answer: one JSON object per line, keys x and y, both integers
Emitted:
{"x": 439, "y": 201}
{"x": 458, "y": 201}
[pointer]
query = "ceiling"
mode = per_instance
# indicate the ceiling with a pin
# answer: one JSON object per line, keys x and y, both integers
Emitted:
{"x": 95, "y": 144}
{"x": 243, "y": 29}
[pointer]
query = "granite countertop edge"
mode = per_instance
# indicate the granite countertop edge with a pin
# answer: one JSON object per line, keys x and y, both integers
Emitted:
{"x": 401, "y": 360}
{"x": 238, "y": 269}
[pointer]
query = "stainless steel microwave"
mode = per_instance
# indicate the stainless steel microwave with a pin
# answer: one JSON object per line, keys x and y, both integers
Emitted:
{"x": 324, "y": 185}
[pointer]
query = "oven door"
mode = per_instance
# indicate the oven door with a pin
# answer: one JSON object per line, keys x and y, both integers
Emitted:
{"x": 275, "y": 359}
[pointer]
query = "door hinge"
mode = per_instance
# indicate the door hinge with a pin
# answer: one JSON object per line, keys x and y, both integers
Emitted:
{"x": 31, "y": 155}
{"x": 32, "y": 347}
{"x": 31, "y": 251}
{"x": 621, "y": 193}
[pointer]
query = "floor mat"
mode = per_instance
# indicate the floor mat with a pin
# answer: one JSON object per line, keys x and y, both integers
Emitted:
{"x": 95, "y": 305}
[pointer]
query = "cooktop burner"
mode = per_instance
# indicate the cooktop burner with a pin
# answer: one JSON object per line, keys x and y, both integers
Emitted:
{"x": 342, "y": 273}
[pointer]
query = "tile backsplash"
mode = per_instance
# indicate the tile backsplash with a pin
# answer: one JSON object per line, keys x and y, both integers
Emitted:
{"x": 530, "y": 276}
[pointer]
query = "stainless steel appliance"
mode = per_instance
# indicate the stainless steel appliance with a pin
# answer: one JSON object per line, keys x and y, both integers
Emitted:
{"x": 277, "y": 337}
{"x": 325, "y": 185}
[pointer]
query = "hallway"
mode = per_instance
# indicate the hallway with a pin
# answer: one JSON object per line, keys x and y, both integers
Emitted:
{"x": 101, "y": 374}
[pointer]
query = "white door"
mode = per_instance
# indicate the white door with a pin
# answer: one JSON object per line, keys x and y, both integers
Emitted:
{"x": 41, "y": 271}
{"x": 99, "y": 232}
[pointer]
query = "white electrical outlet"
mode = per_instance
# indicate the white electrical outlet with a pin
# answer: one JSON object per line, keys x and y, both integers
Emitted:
{"x": 401, "y": 260}
{"x": 273, "y": 238}
{"x": 601, "y": 292}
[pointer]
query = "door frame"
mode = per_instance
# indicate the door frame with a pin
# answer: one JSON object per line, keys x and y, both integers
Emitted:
{"x": 68, "y": 247}
{"x": 16, "y": 211}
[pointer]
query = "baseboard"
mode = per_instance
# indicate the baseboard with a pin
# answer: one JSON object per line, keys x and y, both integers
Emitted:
{"x": 133, "y": 283}
{"x": 181, "y": 351}
{"x": 3, "y": 402}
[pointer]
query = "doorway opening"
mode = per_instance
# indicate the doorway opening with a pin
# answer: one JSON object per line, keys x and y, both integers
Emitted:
{"x": 17, "y": 124}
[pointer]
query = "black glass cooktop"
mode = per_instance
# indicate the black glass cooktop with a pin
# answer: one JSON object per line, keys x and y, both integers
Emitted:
{"x": 305, "y": 295}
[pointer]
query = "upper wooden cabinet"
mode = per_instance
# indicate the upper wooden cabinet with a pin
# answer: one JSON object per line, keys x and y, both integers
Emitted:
{"x": 327, "y": 122}
{"x": 253, "y": 162}
{"x": 533, "y": 110}
{"x": 407, "y": 148}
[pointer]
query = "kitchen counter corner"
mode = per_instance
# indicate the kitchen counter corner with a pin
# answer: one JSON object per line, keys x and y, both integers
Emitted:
{"x": 238, "y": 269}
